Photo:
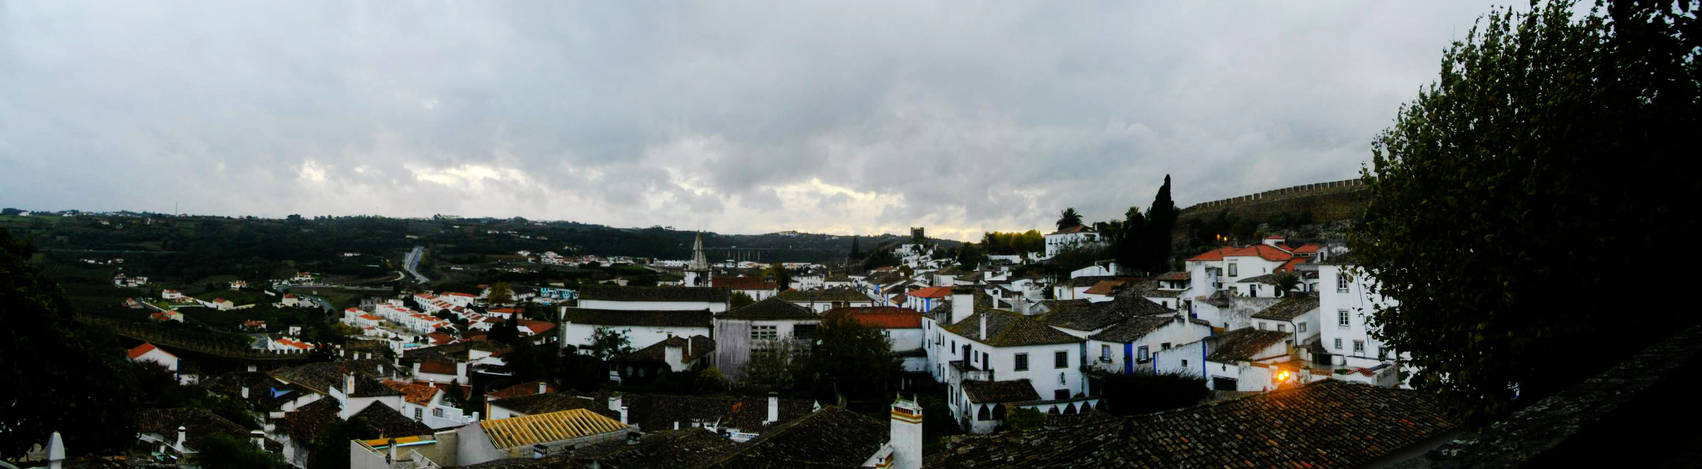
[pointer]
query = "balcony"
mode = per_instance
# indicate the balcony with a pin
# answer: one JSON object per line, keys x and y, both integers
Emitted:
{"x": 966, "y": 372}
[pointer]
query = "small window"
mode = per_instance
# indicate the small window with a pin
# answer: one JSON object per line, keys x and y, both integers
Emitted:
{"x": 1282, "y": 328}
{"x": 985, "y": 362}
{"x": 1341, "y": 318}
{"x": 1341, "y": 282}
{"x": 419, "y": 414}
{"x": 1061, "y": 394}
{"x": 1022, "y": 362}
{"x": 1061, "y": 359}
{"x": 1141, "y": 354}
{"x": 1338, "y": 343}
{"x": 1300, "y": 327}
{"x": 1232, "y": 269}
{"x": 1184, "y": 363}
{"x": 438, "y": 412}
{"x": 761, "y": 333}
{"x": 1105, "y": 352}
{"x": 1359, "y": 347}
{"x": 1164, "y": 346}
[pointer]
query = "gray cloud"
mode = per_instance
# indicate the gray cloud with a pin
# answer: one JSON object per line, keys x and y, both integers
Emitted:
{"x": 729, "y": 116}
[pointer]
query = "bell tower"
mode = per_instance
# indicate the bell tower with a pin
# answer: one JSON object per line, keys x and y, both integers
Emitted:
{"x": 697, "y": 271}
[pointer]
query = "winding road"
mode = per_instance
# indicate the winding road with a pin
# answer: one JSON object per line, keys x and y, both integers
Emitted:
{"x": 412, "y": 261}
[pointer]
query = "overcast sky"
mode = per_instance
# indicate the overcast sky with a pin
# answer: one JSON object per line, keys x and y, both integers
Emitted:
{"x": 837, "y": 117}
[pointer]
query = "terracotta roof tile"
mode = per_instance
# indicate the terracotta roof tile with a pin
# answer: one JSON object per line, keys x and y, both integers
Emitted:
{"x": 882, "y": 317}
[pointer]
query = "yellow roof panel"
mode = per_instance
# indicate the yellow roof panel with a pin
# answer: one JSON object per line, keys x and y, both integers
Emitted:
{"x": 546, "y": 428}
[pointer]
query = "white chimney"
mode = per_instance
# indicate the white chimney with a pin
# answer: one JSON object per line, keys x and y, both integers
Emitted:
{"x": 615, "y": 405}
{"x": 906, "y": 436}
{"x": 773, "y": 408}
{"x": 259, "y": 438}
{"x": 983, "y": 328}
{"x": 252, "y": 368}
{"x": 542, "y": 388}
{"x": 962, "y": 303}
{"x": 348, "y": 385}
{"x": 461, "y": 371}
{"x": 182, "y": 435}
{"x": 245, "y": 392}
{"x": 416, "y": 370}
{"x": 55, "y": 451}
{"x": 390, "y": 451}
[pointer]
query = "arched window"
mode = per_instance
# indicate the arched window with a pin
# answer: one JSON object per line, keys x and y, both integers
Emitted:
{"x": 999, "y": 412}
{"x": 1069, "y": 410}
{"x": 1086, "y": 407}
{"x": 983, "y": 414}
{"x": 1053, "y": 410}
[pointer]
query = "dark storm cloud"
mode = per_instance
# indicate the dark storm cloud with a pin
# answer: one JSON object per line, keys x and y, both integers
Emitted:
{"x": 743, "y": 117}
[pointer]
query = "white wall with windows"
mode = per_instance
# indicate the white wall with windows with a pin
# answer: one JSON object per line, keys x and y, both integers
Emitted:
{"x": 1345, "y": 303}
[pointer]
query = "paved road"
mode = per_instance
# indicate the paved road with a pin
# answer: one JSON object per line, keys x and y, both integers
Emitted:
{"x": 412, "y": 261}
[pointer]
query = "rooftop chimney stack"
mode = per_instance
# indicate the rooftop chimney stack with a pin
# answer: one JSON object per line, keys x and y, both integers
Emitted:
{"x": 259, "y": 438}
{"x": 348, "y": 385}
{"x": 615, "y": 405}
{"x": 906, "y": 437}
{"x": 542, "y": 387}
{"x": 983, "y": 330}
{"x": 245, "y": 392}
{"x": 55, "y": 451}
{"x": 182, "y": 435}
{"x": 962, "y": 303}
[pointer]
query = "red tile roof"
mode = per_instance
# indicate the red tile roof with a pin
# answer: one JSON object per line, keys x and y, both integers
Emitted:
{"x": 537, "y": 327}
{"x": 141, "y": 350}
{"x": 881, "y": 317}
{"x": 1307, "y": 248}
{"x": 415, "y": 393}
{"x": 1073, "y": 229}
{"x": 1289, "y": 266}
{"x": 523, "y": 389}
{"x": 437, "y": 367}
{"x": 1104, "y": 287}
{"x": 1269, "y": 253}
{"x": 931, "y": 292}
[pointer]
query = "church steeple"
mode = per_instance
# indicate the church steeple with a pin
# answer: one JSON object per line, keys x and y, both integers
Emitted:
{"x": 697, "y": 271}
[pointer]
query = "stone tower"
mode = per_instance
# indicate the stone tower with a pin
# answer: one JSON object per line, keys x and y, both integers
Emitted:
{"x": 697, "y": 271}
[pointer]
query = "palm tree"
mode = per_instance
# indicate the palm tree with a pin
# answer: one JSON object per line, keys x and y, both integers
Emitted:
{"x": 1069, "y": 219}
{"x": 1286, "y": 282}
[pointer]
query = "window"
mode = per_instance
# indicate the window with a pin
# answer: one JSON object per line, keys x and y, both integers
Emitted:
{"x": 1061, "y": 394}
{"x": 1300, "y": 327}
{"x": 1338, "y": 343}
{"x": 985, "y": 363}
{"x": 1061, "y": 359}
{"x": 1184, "y": 363}
{"x": 1341, "y": 318}
{"x": 1105, "y": 352}
{"x": 1382, "y": 354}
{"x": 761, "y": 333}
{"x": 1282, "y": 328}
{"x": 1359, "y": 347}
{"x": 419, "y": 414}
{"x": 1341, "y": 282}
{"x": 1022, "y": 362}
{"x": 438, "y": 412}
{"x": 804, "y": 332}
{"x": 1232, "y": 269}
{"x": 1141, "y": 354}
{"x": 1164, "y": 346}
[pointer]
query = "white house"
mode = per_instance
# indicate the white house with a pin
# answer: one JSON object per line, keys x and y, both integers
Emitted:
{"x": 654, "y": 298}
{"x": 1132, "y": 345}
{"x": 149, "y": 353}
{"x": 1239, "y": 360}
{"x": 901, "y": 326}
{"x": 1222, "y": 268}
{"x": 991, "y": 359}
{"x": 426, "y": 402}
{"x": 1074, "y": 237}
{"x": 172, "y": 295}
{"x": 758, "y": 327}
{"x": 578, "y": 325}
{"x": 1345, "y": 303}
{"x": 823, "y": 300}
{"x": 1297, "y": 314}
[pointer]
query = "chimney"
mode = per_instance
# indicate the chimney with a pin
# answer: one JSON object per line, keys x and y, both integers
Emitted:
{"x": 906, "y": 436}
{"x": 380, "y": 369}
{"x": 182, "y": 435}
{"x": 962, "y": 303}
{"x": 390, "y": 452}
{"x": 259, "y": 438}
{"x": 55, "y": 451}
{"x": 461, "y": 371}
{"x": 542, "y": 387}
{"x": 348, "y": 385}
{"x": 615, "y": 405}
{"x": 773, "y": 408}
{"x": 252, "y": 368}
{"x": 245, "y": 392}
{"x": 416, "y": 370}
{"x": 983, "y": 328}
